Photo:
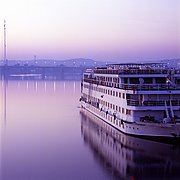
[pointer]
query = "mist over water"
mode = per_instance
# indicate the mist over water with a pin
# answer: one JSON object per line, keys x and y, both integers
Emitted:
{"x": 46, "y": 136}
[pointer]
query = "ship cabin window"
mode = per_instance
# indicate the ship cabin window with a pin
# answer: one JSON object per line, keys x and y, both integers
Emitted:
{"x": 123, "y": 110}
{"x": 119, "y": 109}
{"x": 113, "y": 93}
{"x": 123, "y": 96}
{"x": 160, "y": 80}
{"x": 113, "y": 106}
{"x": 116, "y": 94}
{"x": 148, "y": 80}
{"x": 119, "y": 94}
{"x": 134, "y": 80}
{"x": 128, "y": 96}
{"x": 178, "y": 81}
{"x": 132, "y": 96}
{"x": 116, "y": 108}
{"x": 125, "y": 80}
{"x": 128, "y": 112}
{"x": 109, "y": 79}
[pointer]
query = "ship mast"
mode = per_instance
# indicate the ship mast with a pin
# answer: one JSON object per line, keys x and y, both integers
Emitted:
{"x": 5, "y": 59}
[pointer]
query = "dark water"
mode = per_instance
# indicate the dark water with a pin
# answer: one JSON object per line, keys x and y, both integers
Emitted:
{"x": 45, "y": 136}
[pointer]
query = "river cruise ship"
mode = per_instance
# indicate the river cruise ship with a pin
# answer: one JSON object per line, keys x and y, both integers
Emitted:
{"x": 137, "y": 99}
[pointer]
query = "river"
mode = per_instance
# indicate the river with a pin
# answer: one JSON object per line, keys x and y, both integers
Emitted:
{"x": 45, "y": 135}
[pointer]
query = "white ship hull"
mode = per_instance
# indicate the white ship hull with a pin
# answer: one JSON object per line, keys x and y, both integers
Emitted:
{"x": 143, "y": 129}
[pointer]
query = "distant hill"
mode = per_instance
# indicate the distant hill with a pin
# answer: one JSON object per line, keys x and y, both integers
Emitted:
{"x": 79, "y": 62}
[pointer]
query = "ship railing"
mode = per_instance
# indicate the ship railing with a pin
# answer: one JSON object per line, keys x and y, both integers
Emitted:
{"x": 137, "y": 87}
{"x": 148, "y": 87}
{"x": 132, "y": 71}
{"x": 131, "y": 102}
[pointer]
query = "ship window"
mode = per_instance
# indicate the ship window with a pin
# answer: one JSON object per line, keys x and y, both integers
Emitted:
{"x": 119, "y": 94}
{"x": 119, "y": 109}
{"x": 125, "y": 80}
{"x": 116, "y": 94}
{"x": 113, "y": 93}
{"x": 147, "y": 80}
{"x": 127, "y": 96}
{"x": 122, "y": 110}
{"x": 178, "y": 81}
{"x": 161, "y": 80}
{"x": 128, "y": 112}
{"x": 113, "y": 106}
{"x": 116, "y": 108}
{"x": 123, "y": 96}
{"x": 134, "y": 80}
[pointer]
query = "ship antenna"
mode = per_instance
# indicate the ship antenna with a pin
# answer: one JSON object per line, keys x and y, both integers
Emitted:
{"x": 5, "y": 59}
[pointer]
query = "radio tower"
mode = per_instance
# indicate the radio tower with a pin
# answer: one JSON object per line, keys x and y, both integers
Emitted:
{"x": 5, "y": 59}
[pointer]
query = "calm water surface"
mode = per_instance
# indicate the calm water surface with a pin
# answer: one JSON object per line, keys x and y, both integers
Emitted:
{"x": 46, "y": 136}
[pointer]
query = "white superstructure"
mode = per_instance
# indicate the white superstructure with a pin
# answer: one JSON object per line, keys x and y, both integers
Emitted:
{"x": 137, "y": 99}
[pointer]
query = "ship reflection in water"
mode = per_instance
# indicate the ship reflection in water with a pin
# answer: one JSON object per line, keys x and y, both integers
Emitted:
{"x": 127, "y": 157}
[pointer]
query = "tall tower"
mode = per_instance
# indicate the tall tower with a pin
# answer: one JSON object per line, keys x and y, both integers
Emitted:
{"x": 5, "y": 59}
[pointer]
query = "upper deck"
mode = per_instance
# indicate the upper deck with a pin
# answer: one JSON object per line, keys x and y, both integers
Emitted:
{"x": 137, "y": 69}
{"x": 140, "y": 77}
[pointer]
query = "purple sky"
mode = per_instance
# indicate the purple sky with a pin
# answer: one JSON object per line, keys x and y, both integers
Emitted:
{"x": 117, "y": 30}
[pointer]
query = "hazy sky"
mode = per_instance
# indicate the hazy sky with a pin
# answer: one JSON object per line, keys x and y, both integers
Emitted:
{"x": 98, "y": 29}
